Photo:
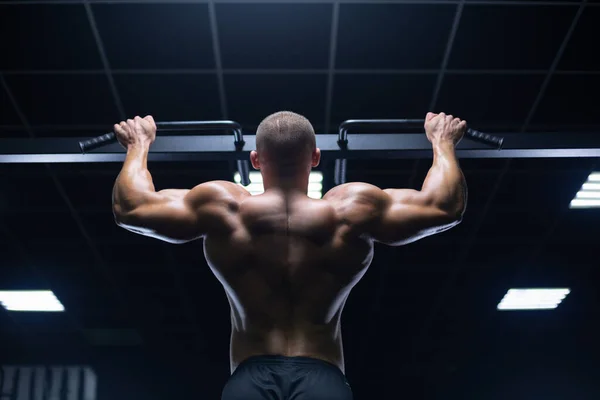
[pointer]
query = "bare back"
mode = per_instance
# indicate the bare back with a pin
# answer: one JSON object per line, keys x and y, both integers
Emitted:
{"x": 288, "y": 262}
{"x": 287, "y": 265}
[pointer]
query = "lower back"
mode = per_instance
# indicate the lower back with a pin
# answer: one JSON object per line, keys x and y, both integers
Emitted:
{"x": 321, "y": 342}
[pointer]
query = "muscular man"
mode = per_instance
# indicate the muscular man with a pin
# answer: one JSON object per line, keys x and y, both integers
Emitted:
{"x": 288, "y": 262}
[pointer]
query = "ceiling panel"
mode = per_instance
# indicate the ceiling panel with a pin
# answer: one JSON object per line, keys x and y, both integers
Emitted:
{"x": 64, "y": 99}
{"x": 155, "y": 36}
{"x": 273, "y": 36}
{"x": 58, "y": 49}
{"x": 535, "y": 35}
{"x": 393, "y": 36}
{"x": 170, "y": 97}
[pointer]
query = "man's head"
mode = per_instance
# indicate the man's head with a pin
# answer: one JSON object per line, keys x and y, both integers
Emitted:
{"x": 285, "y": 146}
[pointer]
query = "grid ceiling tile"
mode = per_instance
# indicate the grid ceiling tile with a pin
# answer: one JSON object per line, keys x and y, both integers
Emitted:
{"x": 570, "y": 100}
{"x": 65, "y": 42}
{"x": 155, "y": 36}
{"x": 486, "y": 252}
{"x": 12, "y": 133}
{"x": 74, "y": 131}
{"x": 33, "y": 228}
{"x": 8, "y": 115}
{"x": 87, "y": 171}
{"x": 579, "y": 54}
{"x": 483, "y": 40}
{"x": 30, "y": 193}
{"x": 253, "y": 97}
{"x": 489, "y": 99}
{"x": 15, "y": 275}
{"x": 89, "y": 192}
{"x": 393, "y": 36}
{"x": 578, "y": 224}
{"x": 64, "y": 99}
{"x": 381, "y": 96}
{"x": 547, "y": 192}
{"x": 170, "y": 97}
{"x": 573, "y": 167}
{"x": 274, "y": 35}
{"x": 500, "y": 223}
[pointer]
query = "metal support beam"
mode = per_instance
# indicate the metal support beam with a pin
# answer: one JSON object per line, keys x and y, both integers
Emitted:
{"x": 360, "y": 146}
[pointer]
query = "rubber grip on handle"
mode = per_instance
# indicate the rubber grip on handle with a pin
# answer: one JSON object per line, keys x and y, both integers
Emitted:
{"x": 485, "y": 138}
{"x": 96, "y": 142}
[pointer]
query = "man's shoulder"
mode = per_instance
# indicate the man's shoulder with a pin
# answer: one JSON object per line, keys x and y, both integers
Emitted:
{"x": 360, "y": 191}
{"x": 223, "y": 192}
{"x": 222, "y": 188}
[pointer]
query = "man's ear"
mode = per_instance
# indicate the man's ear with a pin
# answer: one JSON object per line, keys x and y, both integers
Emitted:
{"x": 316, "y": 157}
{"x": 254, "y": 159}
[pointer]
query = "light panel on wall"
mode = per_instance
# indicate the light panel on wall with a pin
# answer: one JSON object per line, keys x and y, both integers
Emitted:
{"x": 589, "y": 194}
{"x": 30, "y": 300}
{"x": 533, "y": 299}
{"x": 315, "y": 183}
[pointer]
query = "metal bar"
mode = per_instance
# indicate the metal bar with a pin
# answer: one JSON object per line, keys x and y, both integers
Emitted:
{"x": 283, "y": 71}
{"x": 221, "y": 147}
{"x": 335, "y": 17}
{"x": 383, "y": 2}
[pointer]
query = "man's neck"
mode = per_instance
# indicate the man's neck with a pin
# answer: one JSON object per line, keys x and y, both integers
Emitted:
{"x": 287, "y": 184}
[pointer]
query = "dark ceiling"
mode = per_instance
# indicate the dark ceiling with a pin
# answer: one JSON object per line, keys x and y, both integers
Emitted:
{"x": 424, "y": 316}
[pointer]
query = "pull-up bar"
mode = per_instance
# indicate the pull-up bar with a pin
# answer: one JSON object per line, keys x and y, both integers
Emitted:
{"x": 243, "y": 166}
{"x": 357, "y": 146}
{"x": 341, "y": 163}
{"x": 238, "y": 139}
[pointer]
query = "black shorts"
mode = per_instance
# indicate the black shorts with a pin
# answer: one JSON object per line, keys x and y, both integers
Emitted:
{"x": 283, "y": 378}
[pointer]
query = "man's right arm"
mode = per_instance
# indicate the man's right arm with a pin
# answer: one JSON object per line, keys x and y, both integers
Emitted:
{"x": 406, "y": 215}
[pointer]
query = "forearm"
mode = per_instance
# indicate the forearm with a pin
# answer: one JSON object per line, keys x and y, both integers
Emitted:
{"x": 134, "y": 185}
{"x": 445, "y": 183}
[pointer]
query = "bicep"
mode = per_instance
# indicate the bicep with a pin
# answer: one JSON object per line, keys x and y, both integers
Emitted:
{"x": 163, "y": 217}
{"x": 408, "y": 215}
{"x": 178, "y": 216}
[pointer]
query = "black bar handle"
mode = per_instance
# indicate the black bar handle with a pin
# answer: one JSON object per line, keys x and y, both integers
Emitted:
{"x": 238, "y": 139}
{"x": 485, "y": 138}
{"x": 109, "y": 138}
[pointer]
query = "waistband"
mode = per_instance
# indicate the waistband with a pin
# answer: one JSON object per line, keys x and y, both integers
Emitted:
{"x": 285, "y": 360}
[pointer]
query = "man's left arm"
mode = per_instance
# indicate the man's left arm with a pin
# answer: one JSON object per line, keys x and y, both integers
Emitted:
{"x": 173, "y": 215}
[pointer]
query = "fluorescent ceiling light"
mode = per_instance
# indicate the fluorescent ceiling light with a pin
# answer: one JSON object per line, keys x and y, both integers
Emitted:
{"x": 315, "y": 185}
{"x": 30, "y": 300}
{"x": 585, "y": 203}
{"x": 594, "y": 177}
{"x": 589, "y": 194}
{"x": 532, "y": 299}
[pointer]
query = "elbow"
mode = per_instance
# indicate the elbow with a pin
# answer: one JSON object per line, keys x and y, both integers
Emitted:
{"x": 121, "y": 216}
{"x": 455, "y": 214}
{"x": 452, "y": 213}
